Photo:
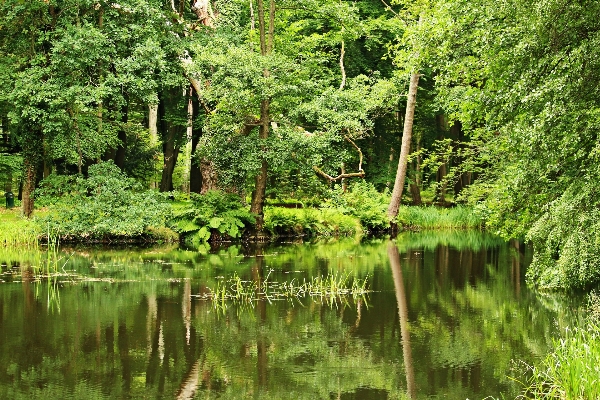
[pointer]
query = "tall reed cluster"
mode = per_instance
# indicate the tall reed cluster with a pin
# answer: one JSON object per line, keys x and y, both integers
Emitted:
{"x": 572, "y": 370}
{"x": 458, "y": 217}
{"x": 19, "y": 233}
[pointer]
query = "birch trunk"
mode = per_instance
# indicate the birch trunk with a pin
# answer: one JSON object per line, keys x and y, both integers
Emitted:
{"x": 411, "y": 101}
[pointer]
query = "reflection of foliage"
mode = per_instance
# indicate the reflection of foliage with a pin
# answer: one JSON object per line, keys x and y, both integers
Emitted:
{"x": 468, "y": 319}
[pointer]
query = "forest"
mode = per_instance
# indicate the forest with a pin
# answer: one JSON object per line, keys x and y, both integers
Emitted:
{"x": 228, "y": 118}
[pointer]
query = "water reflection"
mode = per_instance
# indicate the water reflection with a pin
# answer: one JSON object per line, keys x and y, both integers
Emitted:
{"x": 403, "y": 317}
{"x": 443, "y": 320}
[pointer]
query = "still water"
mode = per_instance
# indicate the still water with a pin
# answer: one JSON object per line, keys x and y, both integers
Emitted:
{"x": 449, "y": 316}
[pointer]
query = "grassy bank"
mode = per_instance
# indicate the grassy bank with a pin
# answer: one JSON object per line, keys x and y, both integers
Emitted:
{"x": 16, "y": 231}
{"x": 436, "y": 218}
{"x": 572, "y": 369}
{"x": 204, "y": 219}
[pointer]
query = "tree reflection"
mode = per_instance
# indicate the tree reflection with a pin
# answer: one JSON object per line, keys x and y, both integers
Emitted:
{"x": 394, "y": 257}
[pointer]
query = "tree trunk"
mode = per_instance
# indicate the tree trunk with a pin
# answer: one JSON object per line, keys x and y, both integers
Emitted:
{"x": 195, "y": 170}
{"x": 415, "y": 193}
{"x": 260, "y": 185}
{"x": 441, "y": 187}
{"x": 170, "y": 152}
{"x": 266, "y": 47}
{"x": 394, "y": 206}
{"x": 152, "y": 123}
{"x": 209, "y": 176}
{"x": 171, "y": 133}
{"x": 29, "y": 185}
{"x": 122, "y": 134}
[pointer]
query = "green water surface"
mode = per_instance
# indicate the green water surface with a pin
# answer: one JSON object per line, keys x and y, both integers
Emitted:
{"x": 449, "y": 316}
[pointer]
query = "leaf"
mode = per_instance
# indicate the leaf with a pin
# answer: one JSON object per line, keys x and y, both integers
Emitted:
{"x": 215, "y": 222}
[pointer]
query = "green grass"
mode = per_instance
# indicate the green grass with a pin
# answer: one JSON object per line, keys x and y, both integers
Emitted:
{"x": 431, "y": 217}
{"x": 16, "y": 231}
{"x": 572, "y": 370}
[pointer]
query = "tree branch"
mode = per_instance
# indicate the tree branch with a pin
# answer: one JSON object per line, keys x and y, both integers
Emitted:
{"x": 359, "y": 174}
{"x": 330, "y": 178}
{"x": 342, "y": 52}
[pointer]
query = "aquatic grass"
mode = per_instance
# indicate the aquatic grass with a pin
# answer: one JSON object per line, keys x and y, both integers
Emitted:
{"x": 430, "y": 217}
{"x": 330, "y": 288}
{"x": 572, "y": 370}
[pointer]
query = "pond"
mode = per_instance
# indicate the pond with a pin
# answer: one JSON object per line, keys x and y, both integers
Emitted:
{"x": 448, "y": 316}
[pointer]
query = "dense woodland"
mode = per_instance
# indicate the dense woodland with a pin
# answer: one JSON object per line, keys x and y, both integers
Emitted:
{"x": 110, "y": 104}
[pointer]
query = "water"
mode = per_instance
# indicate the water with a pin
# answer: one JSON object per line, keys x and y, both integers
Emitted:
{"x": 449, "y": 317}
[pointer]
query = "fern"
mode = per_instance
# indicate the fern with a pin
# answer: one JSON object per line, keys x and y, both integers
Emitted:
{"x": 214, "y": 212}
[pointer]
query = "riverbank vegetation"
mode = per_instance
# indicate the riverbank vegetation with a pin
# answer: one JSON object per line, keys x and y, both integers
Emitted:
{"x": 571, "y": 370}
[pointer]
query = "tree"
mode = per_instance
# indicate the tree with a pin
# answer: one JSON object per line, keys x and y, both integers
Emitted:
{"x": 405, "y": 150}
{"x": 72, "y": 59}
{"x": 287, "y": 106}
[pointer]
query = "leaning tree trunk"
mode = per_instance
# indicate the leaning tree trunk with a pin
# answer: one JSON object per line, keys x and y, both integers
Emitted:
{"x": 392, "y": 211}
{"x": 260, "y": 185}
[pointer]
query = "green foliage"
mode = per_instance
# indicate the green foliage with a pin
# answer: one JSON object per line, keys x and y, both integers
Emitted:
{"x": 215, "y": 211}
{"x": 54, "y": 187}
{"x": 309, "y": 221}
{"x": 566, "y": 239}
{"x": 364, "y": 202}
{"x": 106, "y": 204}
{"x": 10, "y": 168}
{"x": 571, "y": 370}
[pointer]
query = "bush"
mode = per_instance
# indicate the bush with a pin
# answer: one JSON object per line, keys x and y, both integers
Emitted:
{"x": 215, "y": 212}
{"x": 106, "y": 204}
{"x": 363, "y": 201}
{"x": 566, "y": 242}
{"x": 53, "y": 188}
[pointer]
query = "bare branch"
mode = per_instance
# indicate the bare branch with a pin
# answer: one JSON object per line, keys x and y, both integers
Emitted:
{"x": 342, "y": 52}
{"x": 330, "y": 178}
{"x": 359, "y": 174}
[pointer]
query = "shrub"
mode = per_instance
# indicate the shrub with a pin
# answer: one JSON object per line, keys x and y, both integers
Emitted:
{"x": 213, "y": 212}
{"x": 363, "y": 201}
{"x": 53, "y": 188}
{"x": 106, "y": 204}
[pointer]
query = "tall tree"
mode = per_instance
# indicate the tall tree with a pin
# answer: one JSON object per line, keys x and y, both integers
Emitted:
{"x": 411, "y": 101}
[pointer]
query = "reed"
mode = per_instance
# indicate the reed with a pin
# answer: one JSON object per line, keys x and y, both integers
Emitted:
{"x": 18, "y": 232}
{"x": 330, "y": 288}
{"x": 571, "y": 371}
{"x": 430, "y": 217}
